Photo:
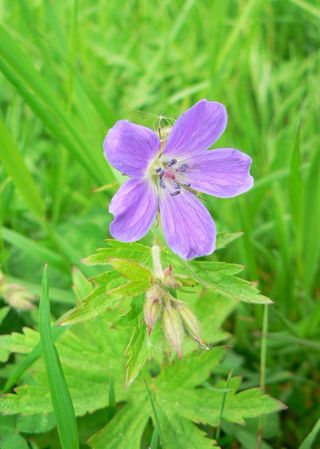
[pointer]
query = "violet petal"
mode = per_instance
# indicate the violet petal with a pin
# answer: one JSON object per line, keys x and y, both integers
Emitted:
{"x": 188, "y": 227}
{"x": 224, "y": 172}
{"x": 130, "y": 147}
{"x": 197, "y": 129}
{"x": 134, "y": 207}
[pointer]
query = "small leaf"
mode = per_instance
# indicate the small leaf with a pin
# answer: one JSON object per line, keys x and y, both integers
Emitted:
{"x": 99, "y": 301}
{"x": 116, "y": 249}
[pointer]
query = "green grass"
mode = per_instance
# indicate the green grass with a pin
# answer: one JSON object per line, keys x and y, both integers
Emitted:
{"x": 71, "y": 68}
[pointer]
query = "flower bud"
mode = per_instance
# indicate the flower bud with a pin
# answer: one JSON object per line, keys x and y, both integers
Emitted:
{"x": 152, "y": 306}
{"x": 190, "y": 322}
{"x": 173, "y": 328}
{"x": 169, "y": 280}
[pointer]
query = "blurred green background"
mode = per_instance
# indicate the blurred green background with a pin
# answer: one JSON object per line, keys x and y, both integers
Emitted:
{"x": 70, "y": 69}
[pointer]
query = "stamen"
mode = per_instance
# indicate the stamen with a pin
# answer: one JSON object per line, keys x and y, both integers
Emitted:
{"x": 162, "y": 173}
{"x": 158, "y": 170}
{"x": 162, "y": 183}
{"x": 177, "y": 185}
{"x": 176, "y": 192}
{"x": 172, "y": 162}
{"x": 183, "y": 168}
{"x": 188, "y": 185}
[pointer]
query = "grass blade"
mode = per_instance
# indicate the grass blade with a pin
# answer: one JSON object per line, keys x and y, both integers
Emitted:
{"x": 60, "y": 396}
{"x": 309, "y": 440}
{"x": 17, "y": 169}
{"x": 157, "y": 419}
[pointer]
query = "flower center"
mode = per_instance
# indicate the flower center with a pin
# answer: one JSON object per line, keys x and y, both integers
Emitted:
{"x": 169, "y": 175}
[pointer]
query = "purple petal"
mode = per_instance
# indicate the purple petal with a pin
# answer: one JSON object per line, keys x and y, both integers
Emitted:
{"x": 197, "y": 129}
{"x": 188, "y": 227}
{"x": 130, "y": 147}
{"x": 224, "y": 172}
{"x": 134, "y": 207}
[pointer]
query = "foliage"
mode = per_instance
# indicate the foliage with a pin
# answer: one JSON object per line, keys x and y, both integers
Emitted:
{"x": 90, "y": 360}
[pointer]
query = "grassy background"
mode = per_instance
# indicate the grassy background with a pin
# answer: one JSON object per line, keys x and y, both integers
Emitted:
{"x": 71, "y": 68}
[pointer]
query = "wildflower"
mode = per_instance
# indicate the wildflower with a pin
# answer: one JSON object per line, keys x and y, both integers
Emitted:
{"x": 163, "y": 172}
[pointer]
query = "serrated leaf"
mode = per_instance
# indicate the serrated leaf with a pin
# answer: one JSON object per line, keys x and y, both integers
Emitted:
{"x": 217, "y": 269}
{"x": 99, "y": 301}
{"x": 116, "y": 249}
{"x": 191, "y": 370}
{"x": 125, "y": 429}
{"x": 131, "y": 270}
{"x": 224, "y": 239}
{"x": 203, "y": 406}
{"x": 137, "y": 353}
{"x": 81, "y": 286}
{"x": 88, "y": 366}
{"x": 236, "y": 288}
{"x": 182, "y": 434}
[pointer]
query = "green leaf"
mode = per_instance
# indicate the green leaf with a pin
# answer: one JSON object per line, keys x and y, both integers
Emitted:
{"x": 115, "y": 249}
{"x": 125, "y": 429}
{"x": 99, "y": 301}
{"x": 60, "y": 396}
{"x": 180, "y": 387}
{"x": 131, "y": 270}
{"x": 182, "y": 434}
{"x": 137, "y": 353}
{"x": 81, "y": 286}
{"x": 217, "y": 269}
{"x": 230, "y": 286}
{"x": 239, "y": 289}
{"x": 191, "y": 370}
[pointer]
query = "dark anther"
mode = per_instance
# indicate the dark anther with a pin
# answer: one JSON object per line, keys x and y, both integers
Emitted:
{"x": 176, "y": 192}
{"x": 162, "y": 183}
{"x": 177, "y": 185}
{"x": 183, "y": 168}
{"x": 172, "y": 162}
{"x": 188, "y": 185}
{"x": 158, "y": 170}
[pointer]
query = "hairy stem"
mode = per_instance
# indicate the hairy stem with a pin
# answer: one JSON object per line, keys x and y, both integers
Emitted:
{"x": 157, "y": 267}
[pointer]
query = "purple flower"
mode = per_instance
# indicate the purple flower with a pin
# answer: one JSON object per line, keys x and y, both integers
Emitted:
{"x": 163, "y": 172}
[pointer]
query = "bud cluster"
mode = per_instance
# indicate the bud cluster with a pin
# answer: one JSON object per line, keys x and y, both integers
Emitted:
{"x": 177, "y": 319}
